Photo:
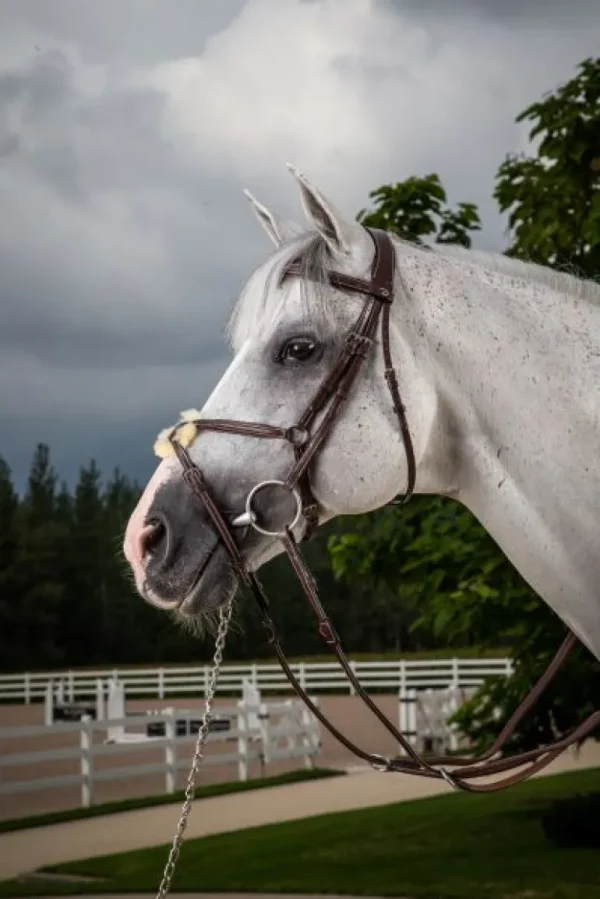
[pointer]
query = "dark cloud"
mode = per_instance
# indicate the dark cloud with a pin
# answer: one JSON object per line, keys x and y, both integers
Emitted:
{"x": 127, "y": 131}
{"x": 112, "y": 416}
{"x": 127, "y": 446}
{"x": 97, "y": 165}
{"x": 123, "y": 32}
{"x": 111, "y": 263}
{"x": 544, "y": 13}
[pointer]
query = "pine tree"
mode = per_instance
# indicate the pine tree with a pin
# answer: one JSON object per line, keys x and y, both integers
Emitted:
{"x": 9, "y": 571}
{"x": 84, "y": 611}
{"x": 41, "y": 590}
{"x": 129, "y": 623}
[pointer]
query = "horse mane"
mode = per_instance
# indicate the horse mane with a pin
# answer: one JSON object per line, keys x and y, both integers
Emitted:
{"x": 258, "y": 306}
{"x": 561, "y": 281}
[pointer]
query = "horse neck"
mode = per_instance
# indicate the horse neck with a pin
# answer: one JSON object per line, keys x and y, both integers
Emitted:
{"x": 515, "y": 366}
{"x": 500, "y": 352}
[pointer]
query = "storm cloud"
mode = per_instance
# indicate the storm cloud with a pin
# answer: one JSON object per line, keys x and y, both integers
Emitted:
{"x": 128, "y": 130}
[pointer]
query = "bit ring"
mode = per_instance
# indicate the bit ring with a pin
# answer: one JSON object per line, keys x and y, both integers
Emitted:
{"x": 253, "y": 518}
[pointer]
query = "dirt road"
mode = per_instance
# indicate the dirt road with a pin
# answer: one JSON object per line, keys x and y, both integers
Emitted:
{"x": 348, "y": 712}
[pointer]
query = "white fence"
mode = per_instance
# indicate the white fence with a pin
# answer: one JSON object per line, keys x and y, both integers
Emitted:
{"x": 423, "y": 718}
{"x": 263, "y": 733}
{"x": 315, "y": 677}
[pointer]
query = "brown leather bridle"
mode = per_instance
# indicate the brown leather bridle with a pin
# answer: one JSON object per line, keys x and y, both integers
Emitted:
{"x": 330, "y": 398}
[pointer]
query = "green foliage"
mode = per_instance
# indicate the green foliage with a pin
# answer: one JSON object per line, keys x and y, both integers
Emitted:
{"x": 441, "y": 561}
{"x": 451, "y": 583}
{"x": 416, "y": 208}
{"x": 574, "y": 822}
{"x": 40, "y": 534}
{"x": 553, "y": 198}
{"x": 65, "y": 598}
{"x": 537, "y": 634}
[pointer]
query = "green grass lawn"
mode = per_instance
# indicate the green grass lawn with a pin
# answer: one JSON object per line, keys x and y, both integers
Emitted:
{"x": 451, "y": 847}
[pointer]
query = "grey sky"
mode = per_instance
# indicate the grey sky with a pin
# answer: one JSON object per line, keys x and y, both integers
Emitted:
{"x": 128, "y": 130}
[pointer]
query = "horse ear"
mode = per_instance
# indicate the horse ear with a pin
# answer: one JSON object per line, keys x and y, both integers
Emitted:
{"x": 277, "y": 230}
{"x": 339, "y": 233}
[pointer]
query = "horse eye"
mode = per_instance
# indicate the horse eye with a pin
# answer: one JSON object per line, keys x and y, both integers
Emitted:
{"x": 297, "y": 349}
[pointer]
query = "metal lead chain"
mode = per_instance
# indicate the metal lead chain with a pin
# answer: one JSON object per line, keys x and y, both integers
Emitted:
{"x": 224, "y": 621}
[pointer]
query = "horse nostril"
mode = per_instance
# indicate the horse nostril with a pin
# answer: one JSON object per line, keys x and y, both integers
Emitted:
{"x": 154, "y": 538}
{"x": 155, "y": 532}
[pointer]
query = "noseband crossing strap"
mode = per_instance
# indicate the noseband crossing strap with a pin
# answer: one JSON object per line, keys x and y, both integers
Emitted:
{"x": 307, "y": 439}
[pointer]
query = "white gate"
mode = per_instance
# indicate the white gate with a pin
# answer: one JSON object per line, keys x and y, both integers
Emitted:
{"x": 424, "y": 718}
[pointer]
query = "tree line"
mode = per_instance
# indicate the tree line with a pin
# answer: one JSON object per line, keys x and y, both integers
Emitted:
{"x": 67, "y": 599}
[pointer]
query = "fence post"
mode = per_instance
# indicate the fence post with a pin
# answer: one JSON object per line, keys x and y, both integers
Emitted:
{"x": 291, "y": 739}
{"x": 307, "y": 720}
{"x": 87, "y": 761}
{"x": 115, "y": 710}
{"x": 408, "y": 716}
{"x": 428, "y": 709}
{"x": 170, "y": 751}
{"x": 49, "y": 704}
{"x": 242, "y": 741}
{"x": 27, "y": 688}
{"x": 161, "y": 683}
{"x": 302, "y": 675}
{"x": 316, "y": 728}
{"x": 100, "y": 710}
{"x": 402, "y": 676}
{"x": 454, "y": 703}
{"x": 265, "y": 736}
{"x": 71, "y": 686}
{"x": 455, "y": 672}
{"x": 355, "y": 672}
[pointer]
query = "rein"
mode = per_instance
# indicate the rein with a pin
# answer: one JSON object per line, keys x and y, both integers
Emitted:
{"x": 331, "y": 396}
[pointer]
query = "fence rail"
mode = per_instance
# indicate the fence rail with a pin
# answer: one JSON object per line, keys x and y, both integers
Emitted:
{"x": 315, "y": 677}
{"x": 254, "y": 735}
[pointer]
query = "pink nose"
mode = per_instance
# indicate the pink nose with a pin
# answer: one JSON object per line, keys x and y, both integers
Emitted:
{"x": 141, "y": 542}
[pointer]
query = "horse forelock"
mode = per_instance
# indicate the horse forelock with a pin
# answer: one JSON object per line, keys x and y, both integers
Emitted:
{"x": 260, "y": 303}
